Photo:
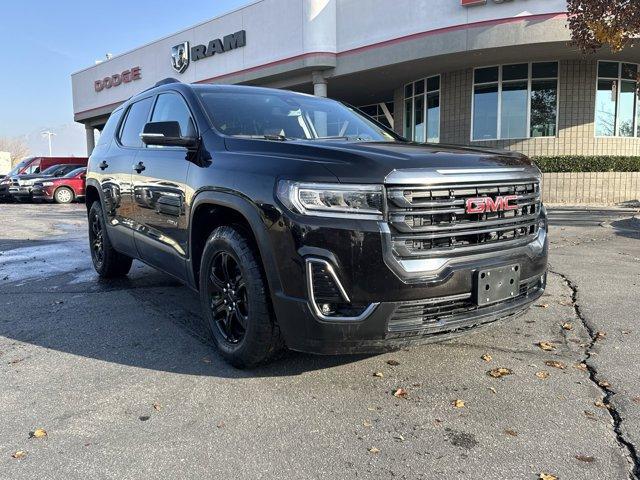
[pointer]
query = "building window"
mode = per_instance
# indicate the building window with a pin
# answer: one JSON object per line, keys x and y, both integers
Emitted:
{"x": 378, "y": 113}
{"x": 617, "y": 107}
{"x": 515, "y": 101}
{"x": 422, "y": 110}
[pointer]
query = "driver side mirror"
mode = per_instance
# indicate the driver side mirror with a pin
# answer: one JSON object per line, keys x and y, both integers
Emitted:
{"x": 167, "y": 134}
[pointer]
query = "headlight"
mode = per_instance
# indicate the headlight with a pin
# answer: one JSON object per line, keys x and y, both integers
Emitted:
{"x": 47, "y": 184}
{"x": 332, "y": 199}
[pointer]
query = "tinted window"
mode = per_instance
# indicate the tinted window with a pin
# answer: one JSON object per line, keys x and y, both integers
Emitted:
{"x": 110, "y": 128}
{"x": 134, "y": 123}
{"x": 171, "y": 108}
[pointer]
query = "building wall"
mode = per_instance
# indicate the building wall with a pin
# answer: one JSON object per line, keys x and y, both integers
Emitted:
{"x": 576, "y": 129}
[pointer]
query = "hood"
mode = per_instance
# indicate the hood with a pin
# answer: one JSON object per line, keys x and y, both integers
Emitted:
{"x": 373, "y": 162}
{"x": 35, "y": 176}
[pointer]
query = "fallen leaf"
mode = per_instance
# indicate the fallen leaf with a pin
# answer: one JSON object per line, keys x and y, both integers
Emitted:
{"x": 372, "y": 409}
{"x": 205, "y": 360}
{"x": 555, "y": 364}
{"x": 393, "y": 363}
{"x": 367, "y": 424}
{"x": 626, "y": 332}
{"x": 582, "y": 366}
{"x": 542, "y": 375}
{"x": 38, "y": 433}
{"x": 458, "y": 404}
{"x": 493, "y": 390}
{"x": 400, "y": 393}
{"x": 374, "y": 450}
{"x": 499, "y": 372}
{"x": 547, "y": 476}
{"x": 567, "y": 326}
{"x": 600, "y": 404}
{"x": 399, "y": 437}
{"x": 17, "y": 360}
{"x": 157, "y": 407}
{"x": 604, "y": 384}
{"x": 378, "y": 374}
{"x": 220, "y": 424}
{"x": 511, "y": 433}
{"x": 546, "y": 346}
{"x": 600, "y": 335}
{"x": 543, "y": 305}
{"x": 486, "y": 357}
{"x": 585, "y": 458}
{"x": 636, "y": 399}
{"x": 590, "y": 415}
{"x": 19, "y": 455}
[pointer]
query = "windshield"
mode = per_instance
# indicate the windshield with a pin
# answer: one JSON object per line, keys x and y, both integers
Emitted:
{"x": 75, "y": 173}
{"x": 18, "y": 167}
{"x": 51, "y": 170}
{"x": 280, "y": 116}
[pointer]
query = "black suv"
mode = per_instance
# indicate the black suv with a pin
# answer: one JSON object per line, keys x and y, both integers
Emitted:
{"x": 303, "y": 223}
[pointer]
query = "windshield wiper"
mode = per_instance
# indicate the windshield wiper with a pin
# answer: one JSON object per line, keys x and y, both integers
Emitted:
{"x": 271, "y": 136}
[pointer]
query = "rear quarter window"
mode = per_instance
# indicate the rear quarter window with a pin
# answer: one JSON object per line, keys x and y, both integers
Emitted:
{"x": 109, "y": 129}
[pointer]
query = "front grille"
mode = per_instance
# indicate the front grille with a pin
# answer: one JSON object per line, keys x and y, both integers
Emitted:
{"x": 448, "y": 312}
{"x": 430, "y": 221}
{"x": 15, "y": 182}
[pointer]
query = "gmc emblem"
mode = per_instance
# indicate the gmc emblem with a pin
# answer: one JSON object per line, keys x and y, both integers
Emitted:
{"x": 487, "y": 204}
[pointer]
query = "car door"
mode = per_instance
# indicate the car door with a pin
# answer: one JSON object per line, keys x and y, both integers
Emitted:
{"x": 159, "y": 193}
{"x": 114, "y": 170}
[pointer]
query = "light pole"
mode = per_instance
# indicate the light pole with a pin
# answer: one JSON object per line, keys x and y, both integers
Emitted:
{"x": 49, "y": 134}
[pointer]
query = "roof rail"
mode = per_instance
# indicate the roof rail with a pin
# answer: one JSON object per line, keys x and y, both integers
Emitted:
{"x": 167, "y": 81}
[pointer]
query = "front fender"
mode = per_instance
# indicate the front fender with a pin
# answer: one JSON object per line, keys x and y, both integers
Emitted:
{"x": 257, "y": 219}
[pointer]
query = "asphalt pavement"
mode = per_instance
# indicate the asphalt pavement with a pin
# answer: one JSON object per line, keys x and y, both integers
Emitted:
{"x": 123, "y": 379}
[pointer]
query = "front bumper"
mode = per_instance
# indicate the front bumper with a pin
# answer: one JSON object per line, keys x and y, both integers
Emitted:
{"x": 359, "y": 258}
{"x": 20, "y": 192}
{"x": 42, "y": 193}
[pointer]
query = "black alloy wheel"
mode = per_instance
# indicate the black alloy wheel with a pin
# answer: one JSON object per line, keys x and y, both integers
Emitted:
{"x": 96, "y": 239}
{"x": 228, "y": 293}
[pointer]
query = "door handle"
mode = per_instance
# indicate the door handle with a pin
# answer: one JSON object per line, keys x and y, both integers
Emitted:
{"x": 103, "y": 165}
{"x": 139, "y": 167}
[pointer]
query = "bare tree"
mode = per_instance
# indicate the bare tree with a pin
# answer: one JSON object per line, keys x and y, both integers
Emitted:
{"x": 16, "y": 147}
{"x": 598, "y": 23}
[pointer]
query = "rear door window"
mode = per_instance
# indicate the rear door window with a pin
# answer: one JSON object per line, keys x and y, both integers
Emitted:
{"x": 137, "y": 117}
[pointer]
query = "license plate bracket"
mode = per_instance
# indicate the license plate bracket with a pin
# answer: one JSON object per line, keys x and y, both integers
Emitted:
{"x": 495, "y": 285}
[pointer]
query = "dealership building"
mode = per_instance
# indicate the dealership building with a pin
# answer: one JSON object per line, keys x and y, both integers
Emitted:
{"x": 494, "y": 73}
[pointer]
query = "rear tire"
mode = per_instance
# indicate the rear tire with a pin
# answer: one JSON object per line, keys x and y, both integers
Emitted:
{"x": 64, "y": 195}
{"x": 235, "y": 300}
{"x": 107, "y": 262}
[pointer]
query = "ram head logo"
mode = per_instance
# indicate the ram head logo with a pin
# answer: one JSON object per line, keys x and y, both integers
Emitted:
{"x": 180, "y": 57}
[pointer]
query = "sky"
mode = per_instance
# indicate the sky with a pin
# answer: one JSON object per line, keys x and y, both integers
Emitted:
{"x": 45, "y": 41}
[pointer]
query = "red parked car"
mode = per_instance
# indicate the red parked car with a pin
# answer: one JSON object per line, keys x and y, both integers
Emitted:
{"x": 62, "y": 190}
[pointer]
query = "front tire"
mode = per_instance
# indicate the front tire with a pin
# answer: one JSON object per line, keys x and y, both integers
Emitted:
{"x": 64, "y": 195}
{"x": 106, "y": 260}
{"x": 235, "y": 300}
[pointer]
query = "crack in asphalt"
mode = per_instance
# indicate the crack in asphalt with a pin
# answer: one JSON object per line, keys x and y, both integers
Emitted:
{"x": 631, "y": 452}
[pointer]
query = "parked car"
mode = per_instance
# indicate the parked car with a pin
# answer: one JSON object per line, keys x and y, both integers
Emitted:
{"x": 20, "y": 186}
{"x": 34, "y": 165}
{"x": 65, "y": 189}
{"x": 304, "y": 223}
